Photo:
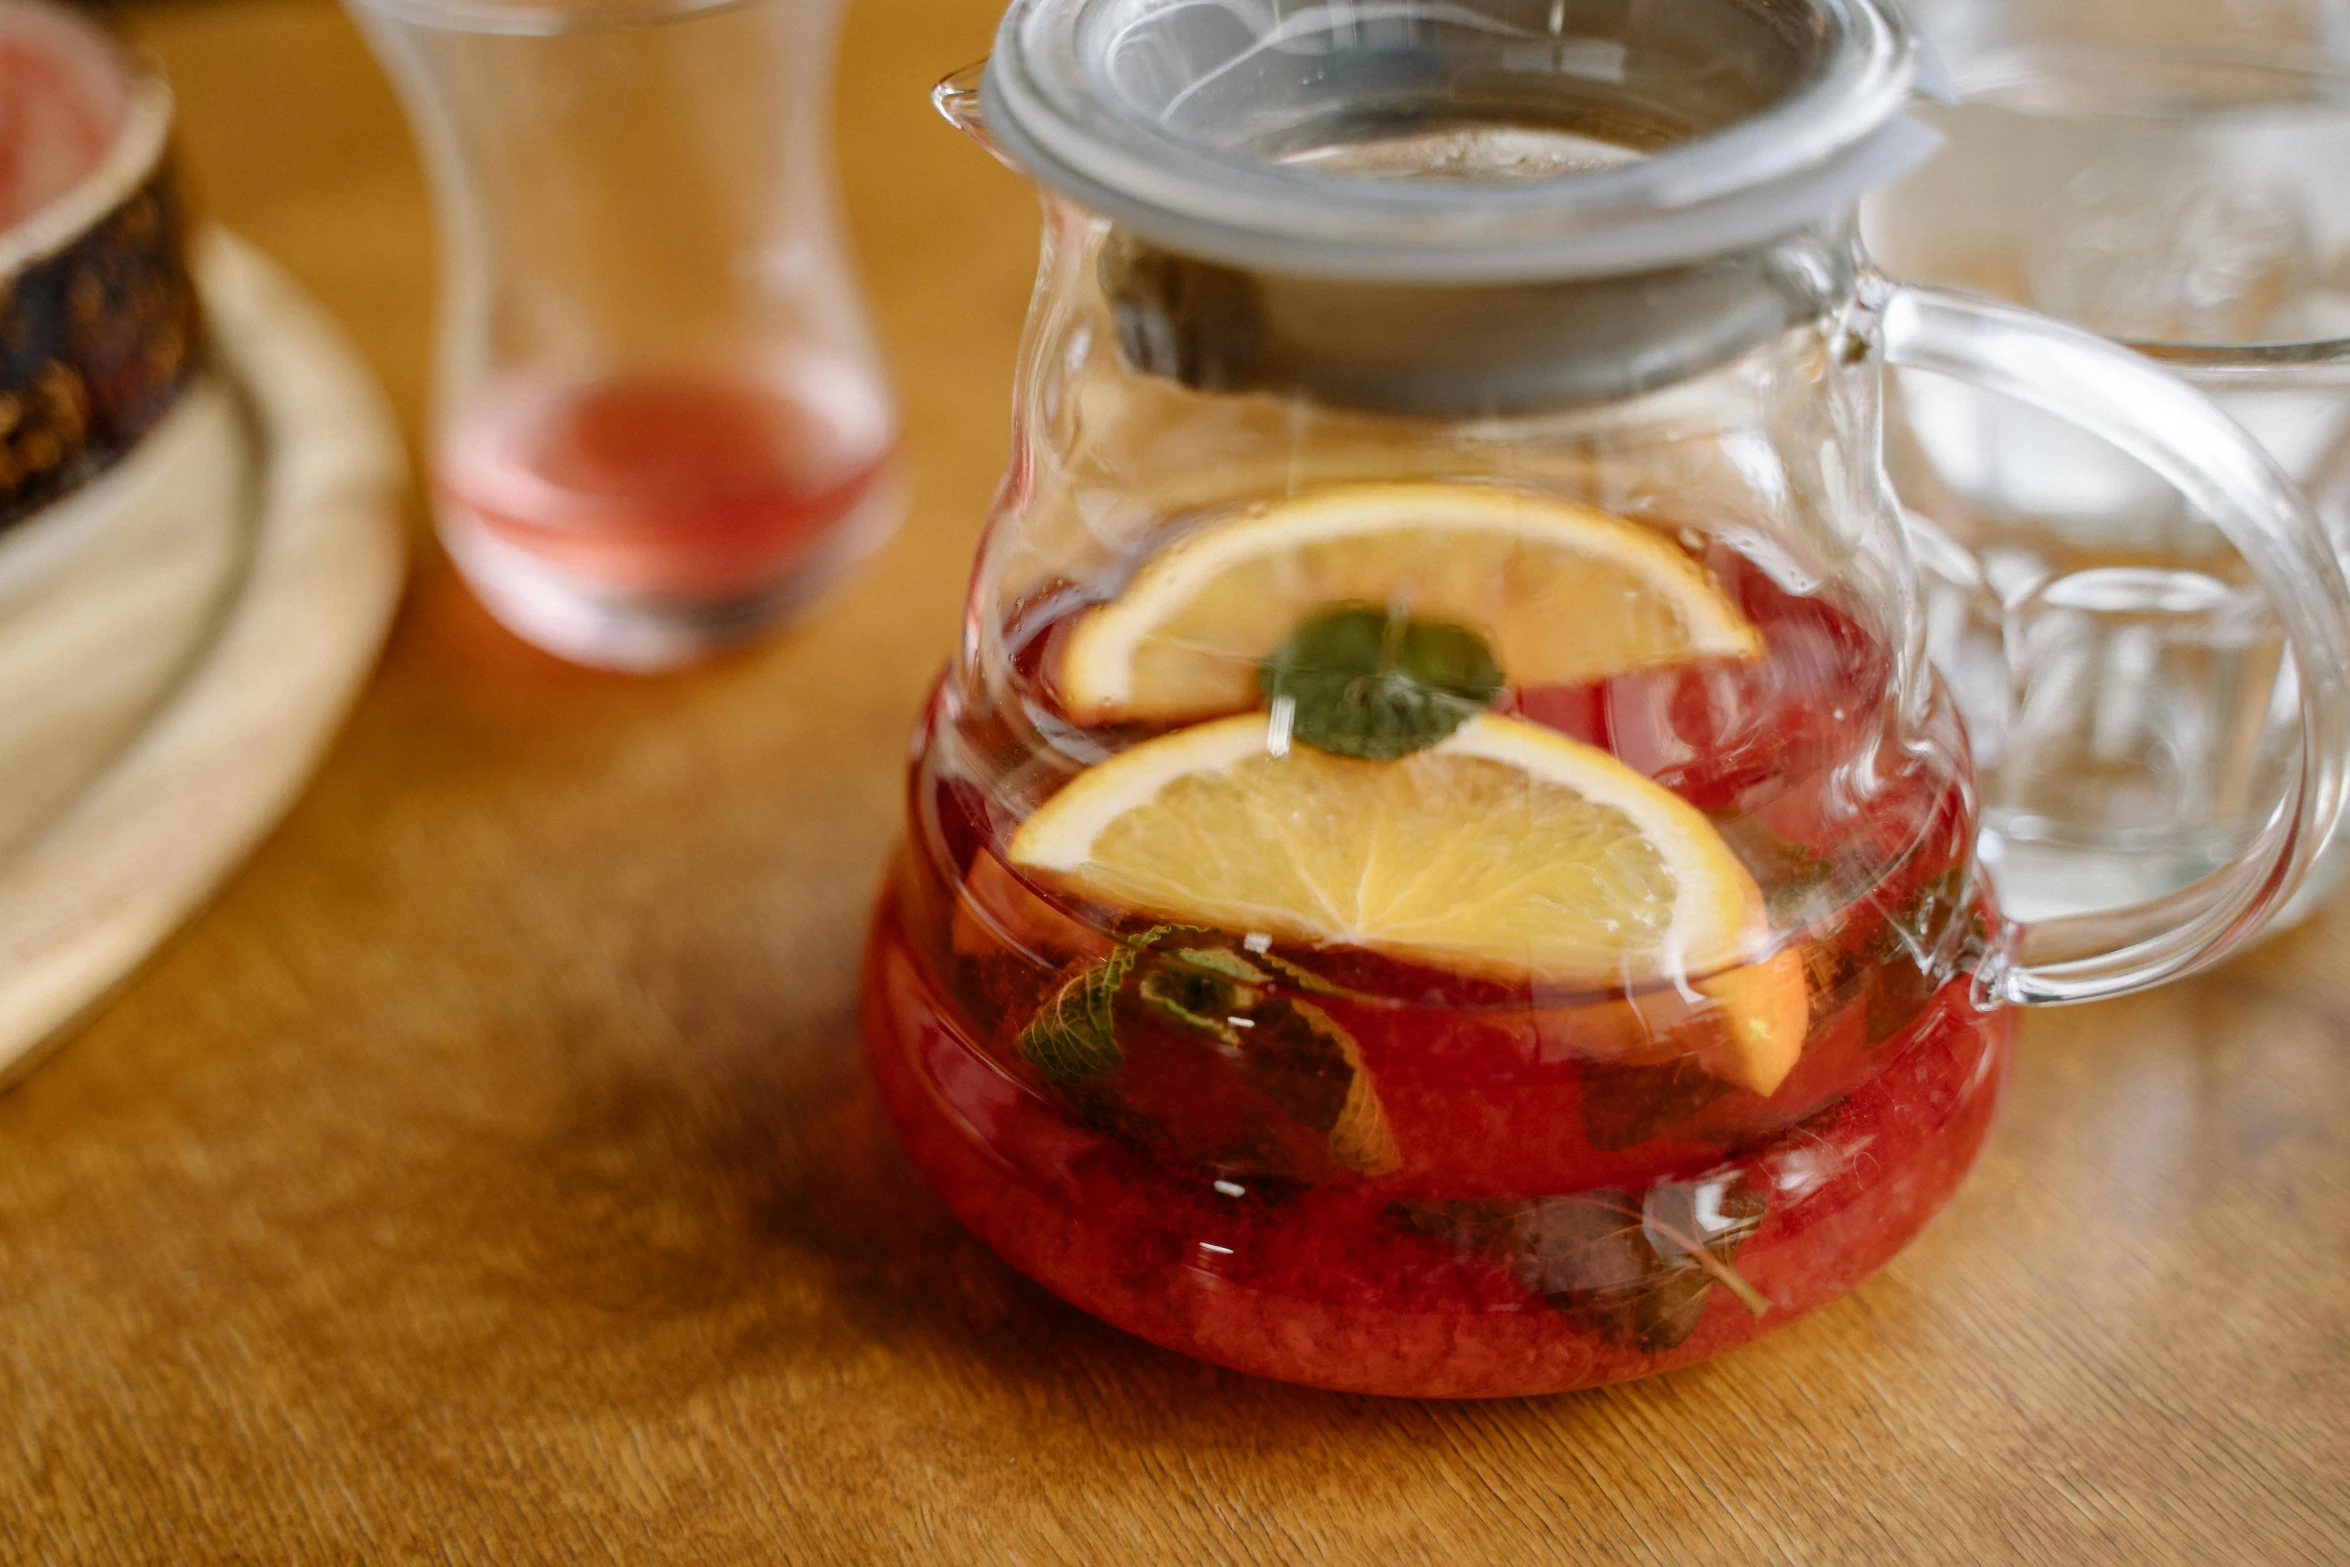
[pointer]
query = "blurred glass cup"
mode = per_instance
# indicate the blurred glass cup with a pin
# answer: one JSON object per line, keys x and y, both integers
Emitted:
{"x": 661, "y": 423}
{"x": 2174, "y": 174}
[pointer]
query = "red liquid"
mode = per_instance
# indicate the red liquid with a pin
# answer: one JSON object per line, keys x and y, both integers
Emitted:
{"x": 679, "y": 485}
{"x": 1565, "y": 1196}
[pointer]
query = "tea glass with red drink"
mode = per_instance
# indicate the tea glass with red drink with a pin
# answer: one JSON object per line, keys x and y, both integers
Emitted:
{"x": 661, "y": 424}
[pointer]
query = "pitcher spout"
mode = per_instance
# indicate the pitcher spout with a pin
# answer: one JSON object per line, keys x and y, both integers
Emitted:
{"x": 956, "y": 98}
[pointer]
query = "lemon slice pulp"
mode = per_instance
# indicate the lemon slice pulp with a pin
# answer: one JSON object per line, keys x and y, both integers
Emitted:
{"x": 1506, "y": 851}
{"x": 1561, "y": 593}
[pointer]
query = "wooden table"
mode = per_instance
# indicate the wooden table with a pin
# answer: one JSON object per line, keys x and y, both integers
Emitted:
{"x": 491, "y": 1176}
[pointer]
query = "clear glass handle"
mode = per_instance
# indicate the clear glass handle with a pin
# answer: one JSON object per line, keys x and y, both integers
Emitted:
{"x": 2171, "y": 428}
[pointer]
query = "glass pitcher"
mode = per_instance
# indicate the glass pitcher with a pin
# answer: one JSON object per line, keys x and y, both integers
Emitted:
{"x": 1440, "y": 866}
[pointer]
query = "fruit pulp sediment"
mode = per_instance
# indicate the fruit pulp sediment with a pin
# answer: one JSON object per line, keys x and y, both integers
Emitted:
{"x": 1363, "y": 1170}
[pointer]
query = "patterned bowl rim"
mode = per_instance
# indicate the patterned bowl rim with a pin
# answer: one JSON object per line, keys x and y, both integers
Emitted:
{"x": 129, "y": 162}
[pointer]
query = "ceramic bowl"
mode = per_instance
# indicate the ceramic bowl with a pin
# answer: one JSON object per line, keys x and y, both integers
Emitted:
{"x": 99, "y": 332}
{"x": 123, "y": 460}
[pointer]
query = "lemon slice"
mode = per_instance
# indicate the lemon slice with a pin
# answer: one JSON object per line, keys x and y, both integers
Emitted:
{"x": 1506, "y": 851}
{"x": 1562, "y": 594}
{"x": 1766, "y": 1014}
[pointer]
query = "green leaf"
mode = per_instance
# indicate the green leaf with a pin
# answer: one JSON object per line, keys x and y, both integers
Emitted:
{"x": 1798, "y": 883}
{"x": 1635, "y": 1270}
{"x": 1195, "y": 999}
{"x": 1307, "y": 980}
{"x": 1158, "y": 933}
{"x": 1360, "y": 1138}
{"x": 1301, "y": 1058}
{"x": 1937, "y": 933}
{"x": 1292, "y": 1052}
{"x": 1074, "y": 1038}
{"x": 1625, "y": 1106}
{"x": 1217, "y": 960}
{"x": 1364, "y": 683}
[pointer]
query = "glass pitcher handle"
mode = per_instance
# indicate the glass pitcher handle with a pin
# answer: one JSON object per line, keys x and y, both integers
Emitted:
{"x": 2171, "y": 428}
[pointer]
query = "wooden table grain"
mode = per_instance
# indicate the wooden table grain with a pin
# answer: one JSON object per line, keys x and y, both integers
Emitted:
{"x": 491, "y": 1176}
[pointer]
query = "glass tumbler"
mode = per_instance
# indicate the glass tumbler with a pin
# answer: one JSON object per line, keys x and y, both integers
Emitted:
{"x": 661, "y": 423}
{"x": 2168, "y": 173}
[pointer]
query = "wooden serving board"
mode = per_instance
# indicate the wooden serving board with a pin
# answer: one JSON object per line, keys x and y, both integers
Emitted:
{"x": 225, "y": 753}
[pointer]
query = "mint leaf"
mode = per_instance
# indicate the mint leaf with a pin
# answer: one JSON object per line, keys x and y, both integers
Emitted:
{"x": 1301, "y": 1058}
{"x": 1360, "y": 1138}
{"x": 1218, "y": 961}
{"x": 1364, "y": 683}
{"x": 1196, "y": 999}
{"x": 1636, "y": 1270}
{"x": 1073, "y": 1037}
{"x": 1158, "y": 933}
{"x": 1798, "y": 883}
{"x": 1290, "y": 1051}
{"x": 1307, "y": 980}
{"x": 1624, "y": 1106}
{"x": 1938, "y": 932}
